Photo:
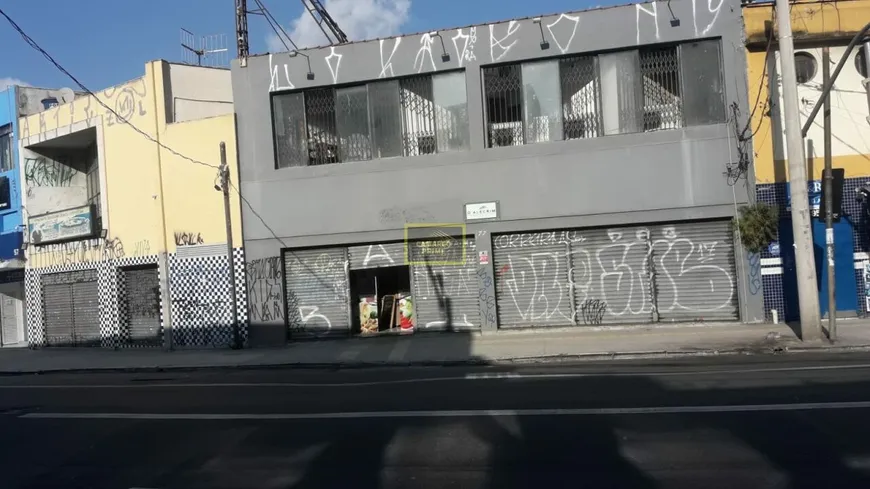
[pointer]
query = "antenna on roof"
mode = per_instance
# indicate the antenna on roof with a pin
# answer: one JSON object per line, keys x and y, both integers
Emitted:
{"x": 204, "y": 51}
{"x": 321, "y": 17}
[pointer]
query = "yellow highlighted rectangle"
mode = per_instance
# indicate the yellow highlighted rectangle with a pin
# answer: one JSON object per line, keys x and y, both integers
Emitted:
{"x": 435, "y": 244}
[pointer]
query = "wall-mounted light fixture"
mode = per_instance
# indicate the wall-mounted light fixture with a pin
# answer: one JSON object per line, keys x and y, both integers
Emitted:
{"x": 544, "y": 44}
{"x": 445, "y": 56}
{"x": 294, "y": 53}
{"x": 675, "y": 22}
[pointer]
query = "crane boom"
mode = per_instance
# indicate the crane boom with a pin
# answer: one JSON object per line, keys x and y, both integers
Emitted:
{"x": 322, "y": 18}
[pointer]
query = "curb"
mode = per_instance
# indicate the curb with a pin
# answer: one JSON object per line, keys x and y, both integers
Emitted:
{"x": 545, "y": 359}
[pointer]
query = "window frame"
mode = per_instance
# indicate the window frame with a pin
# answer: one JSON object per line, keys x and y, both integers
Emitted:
{"x": 681, "y": 120}
{"x": 723, "y": 99}
{"x": 274, "y": 97}
{"x": 7, "y": 133}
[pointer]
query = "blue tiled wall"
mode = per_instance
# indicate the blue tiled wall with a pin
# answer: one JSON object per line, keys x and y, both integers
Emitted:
{"x": 777, "y": 195}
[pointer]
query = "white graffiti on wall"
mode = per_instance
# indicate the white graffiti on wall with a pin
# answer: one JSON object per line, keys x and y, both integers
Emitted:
{"x": 424, "y": 52}
{"x": 323, "y": 273}
{"x": 456, "y": 282}
{"x": 275, "y": 82}
{"x": 614, "y": 278}
{"x": 334, "y": 66}
{"x": 310, "y": 313}
{"x": 466, "y": 53}
{"x": 377, "y": 252}
{"x": 653, "y": 12}
{"x": 561, "y": 29}
{"x": 462, "y": 323}
{"x": 537, "y": 239}
{"x": 451, "y": 282}
{"x": 388, "y": 63}
{"x": 565, "y": 44}
{"x": 498, "y": 48}
{"x": 714, "y": 11}
{"x": 541, "y": 273}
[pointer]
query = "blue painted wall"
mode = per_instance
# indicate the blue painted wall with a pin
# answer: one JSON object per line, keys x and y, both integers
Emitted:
{"x": 10, "y": 219}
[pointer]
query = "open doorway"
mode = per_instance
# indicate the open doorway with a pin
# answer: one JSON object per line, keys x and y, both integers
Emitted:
{"x": 381, "y": 300}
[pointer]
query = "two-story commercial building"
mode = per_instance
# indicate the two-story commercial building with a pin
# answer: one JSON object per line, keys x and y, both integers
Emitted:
{"x": 816, "y": 25}
{"x": 15, "y": 102}
{"x": 125, "y": 230}
{"x": 580, "y": 168}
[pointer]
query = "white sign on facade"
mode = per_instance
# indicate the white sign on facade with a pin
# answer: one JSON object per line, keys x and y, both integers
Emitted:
{"x": 481, "y": 210}
{"x": 60, "y": 226}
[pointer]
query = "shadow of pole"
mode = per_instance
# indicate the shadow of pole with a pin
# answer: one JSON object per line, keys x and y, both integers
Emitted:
{"x": 444, "y": 304}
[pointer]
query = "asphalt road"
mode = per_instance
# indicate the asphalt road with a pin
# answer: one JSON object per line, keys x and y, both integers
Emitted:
{"x": 747, "y": 422}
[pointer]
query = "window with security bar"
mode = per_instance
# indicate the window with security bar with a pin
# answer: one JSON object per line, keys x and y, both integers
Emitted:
{"x": 7, "y": 162}
{"x": 643, "y": 90}
{"x": 406, "y": 117}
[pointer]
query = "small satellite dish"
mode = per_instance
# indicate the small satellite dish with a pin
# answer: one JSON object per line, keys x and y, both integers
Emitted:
{"x": 66, "y": 95}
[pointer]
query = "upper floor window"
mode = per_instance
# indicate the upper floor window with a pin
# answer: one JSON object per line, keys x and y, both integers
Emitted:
{"x": 615, "y": 93}
{"x": 6, "y": 161}
{"x": 407, "y": 117}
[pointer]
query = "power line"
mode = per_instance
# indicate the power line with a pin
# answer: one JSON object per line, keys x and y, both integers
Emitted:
{"x": 32, "y": 43}
{"x": 258, "y": 216}
{"x": 120, "y": 118}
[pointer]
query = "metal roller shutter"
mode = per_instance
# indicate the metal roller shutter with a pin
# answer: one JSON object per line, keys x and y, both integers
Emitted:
{"x": 695, "y": 272}
{"x": 611, "y": 276}
{"x": 532, "y": 281}
{"x": 376, "y": 255}
{"x": 317, "y": 289}
{"x": 86, "y": 312}
{"x": 458, "y": 283}
{"x": 9, "y": 319}
{"x": 59, "y": 319}
{"x": 143, "y": 305}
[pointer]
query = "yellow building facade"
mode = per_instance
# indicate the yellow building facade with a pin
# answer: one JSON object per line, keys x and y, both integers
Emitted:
{"x": 126, "y": 230}
{"x": 816, "y": 25}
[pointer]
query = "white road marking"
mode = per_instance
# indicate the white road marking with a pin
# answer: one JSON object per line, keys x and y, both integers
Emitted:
{"x": 466, "y": 377}
{"x": 463, "y": 413}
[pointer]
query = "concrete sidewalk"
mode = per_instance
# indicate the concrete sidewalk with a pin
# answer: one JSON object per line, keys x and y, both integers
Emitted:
{"x": 452, "y": 348}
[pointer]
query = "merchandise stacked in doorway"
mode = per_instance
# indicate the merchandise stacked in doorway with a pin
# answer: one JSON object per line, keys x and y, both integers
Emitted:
{"x": 376, "y": 289}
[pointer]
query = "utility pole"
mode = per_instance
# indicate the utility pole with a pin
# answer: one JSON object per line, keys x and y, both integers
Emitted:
{"x": 225, "y": 188}
{"x": 242, "y": 31}
{"x": 867, "y": 70}
{"x": 808, "y": 293}
{"x": 829, "y": 201}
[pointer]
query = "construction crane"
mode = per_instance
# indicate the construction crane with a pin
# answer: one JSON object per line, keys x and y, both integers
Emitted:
{"x": 322, "y": 17}
{"x": 314, "y": 8}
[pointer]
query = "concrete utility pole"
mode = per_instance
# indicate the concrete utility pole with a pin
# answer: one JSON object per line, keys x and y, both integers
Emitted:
{"x": 829, "y": 201}
{"x": 242, "y": 32}
{"x": 225, "y": 189}
{"x": 808, "y": 293}
{"x": 867, "y": 70}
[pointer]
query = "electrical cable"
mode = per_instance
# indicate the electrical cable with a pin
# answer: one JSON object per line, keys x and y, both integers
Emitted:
{"x": 32, "y": 43}
{"x": 85, "y": 89}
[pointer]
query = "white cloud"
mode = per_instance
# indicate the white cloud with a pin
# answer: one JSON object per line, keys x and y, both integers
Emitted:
{"x": 7, "y": 82}
{"x": 359, "y": 19}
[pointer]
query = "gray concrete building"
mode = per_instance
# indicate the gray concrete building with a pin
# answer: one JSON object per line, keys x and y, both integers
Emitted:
{"x": 578, "y": 169}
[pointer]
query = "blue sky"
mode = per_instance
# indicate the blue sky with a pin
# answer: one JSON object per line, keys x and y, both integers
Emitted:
{"x": 108, "y": 41}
